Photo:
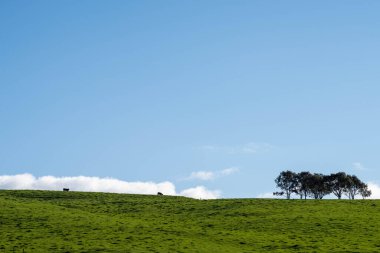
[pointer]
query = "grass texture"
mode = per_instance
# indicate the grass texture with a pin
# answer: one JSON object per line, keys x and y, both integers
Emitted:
{"x": 51, "y": 221}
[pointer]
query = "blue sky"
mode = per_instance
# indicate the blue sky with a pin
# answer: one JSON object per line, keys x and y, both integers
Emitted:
{"x": 161, "y": 90}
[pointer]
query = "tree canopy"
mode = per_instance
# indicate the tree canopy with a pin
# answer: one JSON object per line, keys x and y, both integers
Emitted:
{"x": 317, "y": 185}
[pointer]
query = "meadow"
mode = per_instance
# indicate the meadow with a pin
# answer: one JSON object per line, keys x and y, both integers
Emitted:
{"x": 52, "y": 221}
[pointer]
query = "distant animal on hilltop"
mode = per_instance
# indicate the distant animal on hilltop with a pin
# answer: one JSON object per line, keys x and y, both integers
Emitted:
{"x": 66, "y": 189}
{"x": 159, "y": 193}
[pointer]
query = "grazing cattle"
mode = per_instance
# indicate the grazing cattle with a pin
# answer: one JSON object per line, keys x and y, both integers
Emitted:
{"x": 66, "y": 189}
{"x": 159, "y": 193}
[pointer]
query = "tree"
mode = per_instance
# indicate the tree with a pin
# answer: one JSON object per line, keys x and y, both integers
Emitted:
{"x": 303, "y": 180}
{"x": 353, "y": 186}
{"x": 364, "y": 191}
{"x": 318, "y": 185}
{"x": 278, "y": 193}
{"x": 287, "y": 182}
{"x": 337, "y": 183}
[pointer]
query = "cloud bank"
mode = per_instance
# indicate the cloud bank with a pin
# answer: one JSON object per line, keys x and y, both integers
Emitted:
{"x": 200, "y": 192}
{"x": 96, "y": 184}
{"x": 266, "y": 195}
{"x": 375, "y": 189}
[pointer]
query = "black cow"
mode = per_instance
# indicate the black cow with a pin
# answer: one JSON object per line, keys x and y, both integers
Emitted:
{"x": 159, "y": 193}
{"x": 66, "y": 189}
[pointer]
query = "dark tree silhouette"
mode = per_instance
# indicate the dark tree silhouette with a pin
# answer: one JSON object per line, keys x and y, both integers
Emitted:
{"x": 318, "y": 185}
{"x": 353, "y": 186}
{"x": 364, "y": 191}
{"x": 337, "y": 183}
{"x": 303, "y": 180}
{"x": 287, "y": 182}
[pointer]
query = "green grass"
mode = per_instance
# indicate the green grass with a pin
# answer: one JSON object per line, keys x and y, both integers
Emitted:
{"x": 49, "y": 221}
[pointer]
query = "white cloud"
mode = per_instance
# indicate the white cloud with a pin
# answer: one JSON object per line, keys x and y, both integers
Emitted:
{"x": 202, "y": 175}
{"x": 211, "y": 175}
{"x": 200, "y": 192}
{"x": 248, "y": 148}
{"x": 358, "y": 166}
{"x": 97, "y": 184}
{"x": 229, "y": 171}
{"x": 82, "y": 183}
{"x": 375, "y": 189}
{"x": 266, "y": 195}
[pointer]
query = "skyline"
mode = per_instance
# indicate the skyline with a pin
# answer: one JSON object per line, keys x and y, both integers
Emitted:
{"x": 216, "y": 94}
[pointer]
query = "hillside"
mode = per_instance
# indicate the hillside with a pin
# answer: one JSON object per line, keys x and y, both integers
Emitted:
{"x": 48, "y": 221}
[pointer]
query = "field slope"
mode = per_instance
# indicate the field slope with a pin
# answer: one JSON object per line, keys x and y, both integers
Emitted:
{"x": 49, "y": 221}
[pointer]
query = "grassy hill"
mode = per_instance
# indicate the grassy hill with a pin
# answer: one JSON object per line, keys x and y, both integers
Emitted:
{"x": 48, "y": 221}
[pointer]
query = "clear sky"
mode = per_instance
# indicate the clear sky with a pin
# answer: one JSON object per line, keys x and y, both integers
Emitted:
{"x": 223, "y": 94}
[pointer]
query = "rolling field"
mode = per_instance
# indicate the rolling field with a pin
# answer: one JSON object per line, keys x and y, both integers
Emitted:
{"x": 49, "y": 221}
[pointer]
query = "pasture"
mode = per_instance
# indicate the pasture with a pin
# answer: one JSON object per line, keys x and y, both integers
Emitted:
{"x": 51, "y": 221}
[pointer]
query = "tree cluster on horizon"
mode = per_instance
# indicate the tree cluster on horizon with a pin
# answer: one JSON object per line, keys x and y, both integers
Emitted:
{"x": 317, "y": 185}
